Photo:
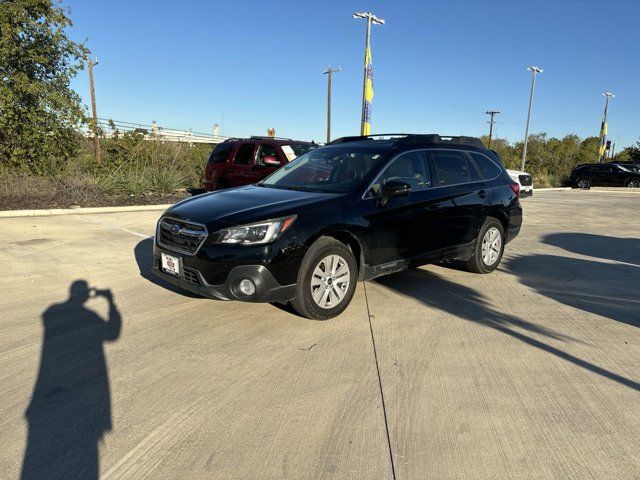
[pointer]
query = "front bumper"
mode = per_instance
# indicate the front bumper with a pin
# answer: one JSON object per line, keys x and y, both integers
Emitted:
{"x": 526, "y": 193}
{"x": 267, "y": 287}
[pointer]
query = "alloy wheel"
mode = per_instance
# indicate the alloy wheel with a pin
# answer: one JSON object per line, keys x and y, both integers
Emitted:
{"x": 491, "y": 246}
{"x": 330, "y": 281}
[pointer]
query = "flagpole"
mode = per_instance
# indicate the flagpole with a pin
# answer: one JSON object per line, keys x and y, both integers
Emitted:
{"x": 365, "y": 117}
{"x": 367, "y": 46}
{"x": 603, "y": 128}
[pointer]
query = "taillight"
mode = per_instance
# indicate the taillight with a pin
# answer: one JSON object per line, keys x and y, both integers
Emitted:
{"x": 515, "y": 186}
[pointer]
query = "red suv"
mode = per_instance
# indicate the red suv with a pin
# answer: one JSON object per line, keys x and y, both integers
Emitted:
{"x": 241, "y": 161}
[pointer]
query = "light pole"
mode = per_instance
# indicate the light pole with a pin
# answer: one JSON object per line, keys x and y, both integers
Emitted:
{"x": 367, "y": 87}
{"x": 491, "y": 113}
{"x": 603, "y": 128}
{"x": 534, "y": 71}
{"x": 329, "y": 73}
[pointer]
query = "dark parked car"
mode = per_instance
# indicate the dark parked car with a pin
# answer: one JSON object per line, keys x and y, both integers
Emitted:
{"x": 241, "y": 161}
{"x": 605, "y": 175}
{"x": 355, "y": 209}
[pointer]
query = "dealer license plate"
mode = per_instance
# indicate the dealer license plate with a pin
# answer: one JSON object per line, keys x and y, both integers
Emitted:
{"x": 170, "y": 264}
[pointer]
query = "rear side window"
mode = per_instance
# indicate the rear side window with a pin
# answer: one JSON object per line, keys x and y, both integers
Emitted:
{"x": 488, "y": 169}
{"x": 451, "y": 167}
{"x": 221, "y": 153}
{"x": 244, "y": 155}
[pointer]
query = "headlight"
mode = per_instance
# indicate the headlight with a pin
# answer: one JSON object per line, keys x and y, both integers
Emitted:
{"x": 256, "y": 233}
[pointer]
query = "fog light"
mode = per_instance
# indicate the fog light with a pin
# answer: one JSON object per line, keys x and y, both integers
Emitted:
{"x": 247, "y": 287}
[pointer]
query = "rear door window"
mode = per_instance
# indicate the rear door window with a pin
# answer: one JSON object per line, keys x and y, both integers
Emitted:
{"x": 244, "y": 155}
{"x": 451, "y": 167}
{"x": 488, "y": 169}
{"x": 221, "y": 153}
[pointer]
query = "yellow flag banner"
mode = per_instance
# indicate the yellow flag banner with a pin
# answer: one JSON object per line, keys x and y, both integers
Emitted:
{"x": 368, "y": 94}
{"x": 603, "y": 138}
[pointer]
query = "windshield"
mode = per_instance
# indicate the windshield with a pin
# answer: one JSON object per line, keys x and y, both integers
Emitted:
{"x": 331, "y": 170}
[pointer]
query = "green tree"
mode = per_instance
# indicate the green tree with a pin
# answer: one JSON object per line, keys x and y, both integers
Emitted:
{"x": 39, "y": 112}
{"x": 630, "y": 154}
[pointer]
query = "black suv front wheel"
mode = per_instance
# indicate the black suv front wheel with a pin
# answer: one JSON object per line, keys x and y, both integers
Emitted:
{"x": 326, "y": 280}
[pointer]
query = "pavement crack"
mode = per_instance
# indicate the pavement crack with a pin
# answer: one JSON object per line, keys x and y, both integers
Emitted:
{"x": 384, "y": 406}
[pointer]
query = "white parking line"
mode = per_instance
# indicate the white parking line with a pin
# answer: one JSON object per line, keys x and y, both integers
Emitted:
{"x": 114, "y": 226}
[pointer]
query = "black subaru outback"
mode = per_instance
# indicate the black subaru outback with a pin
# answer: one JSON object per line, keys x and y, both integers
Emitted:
{"x": 355, "y": 209}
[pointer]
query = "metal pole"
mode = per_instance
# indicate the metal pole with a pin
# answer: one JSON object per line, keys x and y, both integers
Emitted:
{"x": 534, "y": 71}
{"x": 329, "y": 72}
{"x": 604, "y": 122}
{"x": 96, "y": 140}
{"x": 364, "y": 81}
{"x": 491, "y": 113}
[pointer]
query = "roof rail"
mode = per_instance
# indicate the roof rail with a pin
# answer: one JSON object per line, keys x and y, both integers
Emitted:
{"x": 358, "y": 138}
{"x": 260, "y": 137}
{"x": 412, "y": 139}
{"x": 441, "y": 139}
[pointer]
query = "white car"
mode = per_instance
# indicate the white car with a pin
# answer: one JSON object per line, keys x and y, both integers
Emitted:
{"x": 525, "y": 181}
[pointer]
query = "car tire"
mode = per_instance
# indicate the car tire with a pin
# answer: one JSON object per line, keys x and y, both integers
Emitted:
{"x": 327, "y": 264}
{"x": 489, "y": 247}
{"x": 633, "y": 183}
{"x": 583, "y": 183}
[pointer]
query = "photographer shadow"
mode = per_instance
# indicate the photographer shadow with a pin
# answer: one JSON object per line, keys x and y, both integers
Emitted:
{"x": 70, "y": 409}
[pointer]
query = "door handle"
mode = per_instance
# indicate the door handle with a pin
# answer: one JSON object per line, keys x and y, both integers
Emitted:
{"x": 483, "y": 194}
{"x": 435, "y": 206}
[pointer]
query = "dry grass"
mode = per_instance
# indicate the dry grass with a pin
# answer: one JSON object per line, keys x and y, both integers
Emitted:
{"x": 19, "y": 192}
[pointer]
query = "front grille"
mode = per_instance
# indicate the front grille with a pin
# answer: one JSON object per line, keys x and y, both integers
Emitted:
{"x": 181, "y": 236}
{"x": 191, "y": 276}
{"x": 525, "y": 180}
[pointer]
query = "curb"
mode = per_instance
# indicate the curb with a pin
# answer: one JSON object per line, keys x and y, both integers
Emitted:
{"x": 593, "y": 189}
{"x": 71, "y": 211}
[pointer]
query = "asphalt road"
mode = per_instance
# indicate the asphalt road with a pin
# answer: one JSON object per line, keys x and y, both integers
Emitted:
{"x": 530, "y": 372}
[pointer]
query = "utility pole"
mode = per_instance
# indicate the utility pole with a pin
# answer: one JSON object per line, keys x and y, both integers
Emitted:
{"x": 367, "y": 85}
{"x": 329, "y": 73}
{"x": 96, "y": 140}
{"x": 602, "y": 152}
{"x": 613, "y": 151}
{"x": 491, "y": 113}
{"x": 534, "y": 71}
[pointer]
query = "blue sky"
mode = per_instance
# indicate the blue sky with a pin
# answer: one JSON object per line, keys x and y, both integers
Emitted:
{"x": 438, "y": 65}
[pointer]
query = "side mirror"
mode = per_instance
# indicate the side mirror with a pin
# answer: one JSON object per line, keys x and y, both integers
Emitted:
{"x": 396, "y": 188}
{"x": 393, "y": 188}
{"x": 271, "y": 161}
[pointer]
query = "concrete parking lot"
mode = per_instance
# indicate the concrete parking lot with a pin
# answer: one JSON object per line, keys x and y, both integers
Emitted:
{"x": 530, "y": 372}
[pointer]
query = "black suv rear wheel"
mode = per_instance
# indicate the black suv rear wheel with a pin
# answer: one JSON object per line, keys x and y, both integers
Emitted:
{"x": 489, "y": 247}
{"x": 326, "y": 280}
{"x": 583, "y": 182}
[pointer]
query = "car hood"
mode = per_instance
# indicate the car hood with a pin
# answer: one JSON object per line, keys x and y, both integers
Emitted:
{"x": 244, "y": 205}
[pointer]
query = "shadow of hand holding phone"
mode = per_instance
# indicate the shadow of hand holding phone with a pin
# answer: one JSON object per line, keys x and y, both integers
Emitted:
{"x": 70, "y": 409}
